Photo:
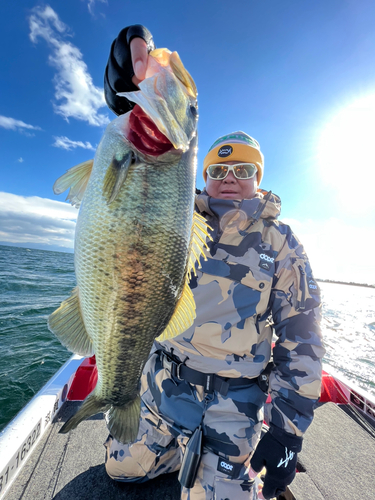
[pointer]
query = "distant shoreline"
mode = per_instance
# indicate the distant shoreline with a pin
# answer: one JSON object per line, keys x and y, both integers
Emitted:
{"x": 70, "y": 251}
{"x": 346, "y": 283}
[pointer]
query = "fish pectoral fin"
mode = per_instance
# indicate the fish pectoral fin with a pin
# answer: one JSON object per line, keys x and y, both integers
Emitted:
{"x": 76, "y": 179}
{"x": 182, "y": 74}
{"x": 68, "y": 326}
{"x": 123, "y": 421}
{"x": 115, "y": 176}
{"x": 199, "y": 233}
{"x": 91, "y": 406}
{"x": 183, "y": 316}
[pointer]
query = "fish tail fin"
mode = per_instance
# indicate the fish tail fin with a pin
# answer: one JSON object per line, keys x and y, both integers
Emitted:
{"x": 123, "y": 421}
{"x": 91, "y": 406}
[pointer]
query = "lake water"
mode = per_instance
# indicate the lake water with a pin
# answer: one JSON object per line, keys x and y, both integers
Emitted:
{"x": 33, "y": 283}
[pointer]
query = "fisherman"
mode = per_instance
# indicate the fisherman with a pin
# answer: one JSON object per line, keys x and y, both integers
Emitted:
{"x": 207, "y": 387}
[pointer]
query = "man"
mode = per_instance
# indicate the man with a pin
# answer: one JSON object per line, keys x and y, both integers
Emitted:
{"x": 210, "y": 383}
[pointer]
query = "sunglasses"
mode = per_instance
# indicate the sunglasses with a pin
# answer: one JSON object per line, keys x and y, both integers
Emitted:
{"x": 241, "y": 171}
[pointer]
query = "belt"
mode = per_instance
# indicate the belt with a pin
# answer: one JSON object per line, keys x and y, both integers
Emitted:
{"x": 210, "y": 381}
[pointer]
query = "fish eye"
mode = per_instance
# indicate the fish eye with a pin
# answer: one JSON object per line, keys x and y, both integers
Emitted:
{"x": 194, "y": 111}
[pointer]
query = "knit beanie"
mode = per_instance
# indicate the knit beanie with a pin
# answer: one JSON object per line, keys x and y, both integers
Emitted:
{"x": 236, "y": 146}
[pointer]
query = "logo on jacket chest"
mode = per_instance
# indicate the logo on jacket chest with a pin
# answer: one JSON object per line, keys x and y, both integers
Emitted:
{"x": 265, "y": 261}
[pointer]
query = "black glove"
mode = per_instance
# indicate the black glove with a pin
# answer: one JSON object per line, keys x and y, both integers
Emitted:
{"x": 119, "y": 71}
{"x": 277, "y": 451}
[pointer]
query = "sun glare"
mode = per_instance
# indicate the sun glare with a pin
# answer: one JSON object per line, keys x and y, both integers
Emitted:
{"x": 346, "y": 148}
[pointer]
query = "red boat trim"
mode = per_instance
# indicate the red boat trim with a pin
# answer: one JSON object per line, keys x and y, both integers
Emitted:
{"x": 84, "y": 380}
{"x": 332, "y": 391}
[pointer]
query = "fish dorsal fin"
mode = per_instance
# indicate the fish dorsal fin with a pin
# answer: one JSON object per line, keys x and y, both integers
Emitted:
{"x": 67, "y": 324}
{"x": 115, "y": 176}
{"x": 182, "y": 74}
{"x": 184, "y": 314}
{"x": 198, "y": 242}
{"x": 76, "y": 178}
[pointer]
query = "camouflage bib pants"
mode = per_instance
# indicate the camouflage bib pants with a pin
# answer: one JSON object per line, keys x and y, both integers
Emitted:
{"x": 171, "y": 410}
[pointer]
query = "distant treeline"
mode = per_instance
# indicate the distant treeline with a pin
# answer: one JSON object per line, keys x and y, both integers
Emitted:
{"x": 346, "y": 283}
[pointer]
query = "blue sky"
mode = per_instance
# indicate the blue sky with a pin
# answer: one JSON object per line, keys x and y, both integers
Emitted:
{"x": 297, "y": 75}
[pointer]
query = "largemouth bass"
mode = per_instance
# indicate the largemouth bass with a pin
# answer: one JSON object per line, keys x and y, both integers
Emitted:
{"x": 137, "y": 241}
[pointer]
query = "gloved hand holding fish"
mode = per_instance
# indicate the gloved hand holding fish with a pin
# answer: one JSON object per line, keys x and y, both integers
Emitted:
{"x": 137, "y": 241}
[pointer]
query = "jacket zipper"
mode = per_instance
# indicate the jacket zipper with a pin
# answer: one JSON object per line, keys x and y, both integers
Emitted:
{"x": 302, "y": 302}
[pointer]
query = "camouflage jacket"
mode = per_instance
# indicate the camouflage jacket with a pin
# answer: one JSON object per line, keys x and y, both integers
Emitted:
{"x": 256, "y": 281}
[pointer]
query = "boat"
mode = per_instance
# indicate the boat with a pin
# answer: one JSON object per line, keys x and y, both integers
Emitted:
{"x": 36, "y": 462}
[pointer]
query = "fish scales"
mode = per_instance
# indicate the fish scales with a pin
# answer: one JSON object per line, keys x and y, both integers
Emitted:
{"x": 129, "y": 287}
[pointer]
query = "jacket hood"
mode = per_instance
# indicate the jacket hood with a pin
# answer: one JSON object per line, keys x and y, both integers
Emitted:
{"x": 264, "y": 205}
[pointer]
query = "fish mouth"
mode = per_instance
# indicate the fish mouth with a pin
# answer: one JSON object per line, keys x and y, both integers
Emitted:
{"x": 145, "y": 135}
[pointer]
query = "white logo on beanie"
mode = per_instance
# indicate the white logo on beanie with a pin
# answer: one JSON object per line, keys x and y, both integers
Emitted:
{"x": 225, "y": 151}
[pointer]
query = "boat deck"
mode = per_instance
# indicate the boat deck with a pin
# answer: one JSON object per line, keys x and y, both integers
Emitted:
{"x": 337, "y": 458}
{"x": 71, "y": 466}
{"x": 336, "y": 463}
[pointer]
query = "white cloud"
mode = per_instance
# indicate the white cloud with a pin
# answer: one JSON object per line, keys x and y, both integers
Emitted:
{"x": 66, "y": 143}
{"x": 337, "y": 250}
{"x": 13, "y": 124}
{"x": 20, "y": 160}
{"x": 91, "y": 3}
{"x": 40, "y": 221}
{"x": 76, "y": 95}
